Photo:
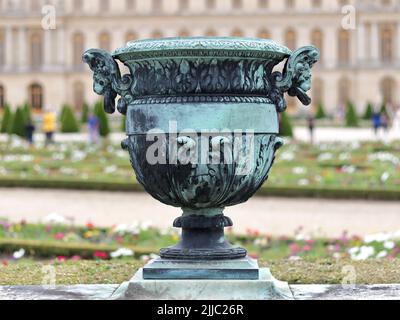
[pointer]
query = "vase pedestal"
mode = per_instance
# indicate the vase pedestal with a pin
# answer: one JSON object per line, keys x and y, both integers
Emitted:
{"x": 239, "y": 279}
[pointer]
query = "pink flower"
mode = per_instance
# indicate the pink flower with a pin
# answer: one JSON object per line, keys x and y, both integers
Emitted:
{"x": 76, "y": 258}
{"x": 100, "y": 255}
{"x": 294, "y": 247}
{"x": 59, "y": 236}
{"x": 307, "y": 248}
{"x": 61, "y": 258}
{"x": 4, "y": 263}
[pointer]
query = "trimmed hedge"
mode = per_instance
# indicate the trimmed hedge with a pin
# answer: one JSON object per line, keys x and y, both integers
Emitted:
{"x": 285, "y": 128}
{"x": 103, "y": 120}
{"x": 266, "y": 190}
{"x": 351, "y": 116}
{"x": 7, "y": 120}
{"x": 69, "y": 124}
{"x": 45, "y": 249}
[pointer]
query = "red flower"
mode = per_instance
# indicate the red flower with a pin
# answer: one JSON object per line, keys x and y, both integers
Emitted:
{"x": 307, "y": 248}
{"x": 59, "y": 236}
{"x": 61, "y": 258}
{"x": 89, "y": 225}
{"x": 100, "y": 255}
{"x": 76, "y": 258}
{"x": 294, "y": 248}
{"x": 4, "y": 263}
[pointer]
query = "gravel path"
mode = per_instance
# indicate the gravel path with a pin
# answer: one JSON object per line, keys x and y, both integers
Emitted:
{"x": 278, "y": 216}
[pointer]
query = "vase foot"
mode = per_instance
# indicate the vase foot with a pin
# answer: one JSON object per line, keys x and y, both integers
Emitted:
{"x": 203, "y": 253}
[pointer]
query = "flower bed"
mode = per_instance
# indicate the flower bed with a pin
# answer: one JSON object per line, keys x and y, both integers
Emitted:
{"x": 344, "y": 170}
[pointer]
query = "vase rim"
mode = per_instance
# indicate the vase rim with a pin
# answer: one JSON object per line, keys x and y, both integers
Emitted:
{"x": 203, "y": 46}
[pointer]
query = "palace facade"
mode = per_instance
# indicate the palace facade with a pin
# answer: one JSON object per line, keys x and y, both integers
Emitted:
{"x": 359, "y": 63}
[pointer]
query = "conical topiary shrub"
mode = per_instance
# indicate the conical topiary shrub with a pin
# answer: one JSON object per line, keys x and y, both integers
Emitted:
{"x": 19, "y": 123}
{"x": 69, "y": 124}
{"x": 285, "y": 128}
{"x": 85, "y": 113}
{"x": 6, "y": 122}
{"x": 103, "y": 120}
{"x": 383, "y": 108}
{"x": 320, "y": 114}
{"x": 351, "y": 116}
{"x": 62, "y": 112}
{"x": 369, "y": 110}
{"x": 27, "y": 112}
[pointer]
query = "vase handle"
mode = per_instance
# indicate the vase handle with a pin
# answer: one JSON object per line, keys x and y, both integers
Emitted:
{"x": 296, "y": 76}
{"x": 107, "y": 80}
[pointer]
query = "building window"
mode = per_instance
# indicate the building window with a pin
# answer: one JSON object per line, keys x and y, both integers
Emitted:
{"x": 2, "y": 97}
{"x": 317, "y": 92}
{"x": 78, "y": 5}
{"x": 183, "y": 5}
{"x": 36, "y": 96}
{"x": 157, "y": 6}
{"x": 263, "y": 34}
{"x": 316, "y": 3}
{"x": 344, "y": 97}
{"x": 237, "y": 4}
{"x": 79, "y": 95}
{"x": 211, "y": 33}
{"x": 263, "y": 3}
{"x": 211, "y": 4}
{"x": 130, "y": 4}
{"x": 290, "y": 4}
{"x": 344, "y": 47}
{"x": 387, "y": 43}
{"x": 78, "y": 46}
{"x": 388, "y": 86}
{"x": 130, "y": 36}
{"x": 156, "y": 34}
{"x": 2, "y": 49}
{"x": 183, "y": 33}
{"x": 104, "y": 5}
{"x": 35, "y": 5}
{"x": 105, "y": 41}
{"x": 317, "y": 40}
{"x": 237, "y": 33}
{"x": 36, "y": 50}
{"x": 290, "y": 39}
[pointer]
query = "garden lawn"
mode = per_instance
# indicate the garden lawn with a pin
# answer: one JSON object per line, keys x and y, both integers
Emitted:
{"x": 320, "y": 271}
{"x": 350, "y": 170}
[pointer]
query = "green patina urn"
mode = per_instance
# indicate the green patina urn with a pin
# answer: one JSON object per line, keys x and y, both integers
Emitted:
{"x": 202, "y": 124}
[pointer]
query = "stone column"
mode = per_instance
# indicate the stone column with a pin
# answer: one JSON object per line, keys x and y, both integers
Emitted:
{"x": 361, "y": 47}
{"x": 23, "y": 51}
{"x": 330, "y": 47}
{"x": 61, "y": 60}
{"x": 9, "y": 61}
{"x": 375, "y": 45}
{"x": 397, "y": 40}
{"x": 48, "y": 61}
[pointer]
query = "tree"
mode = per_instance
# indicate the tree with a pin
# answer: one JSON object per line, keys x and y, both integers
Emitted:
{"x": 27, "y": 112}
{"x": 63, "y": 108}
{"x": 69, "y": 123}
{"x": 285, "y": 128}
{"x": 369, "y": 110}
{"x": 320, "y": 114}
{"x": 19, "y": 123}
{"x": 383, "y": 108}
{"x": 351, "y": 116}
{"x": 85, "y": 113}
{"x": 103, "y": 120}
{"x": 6, "y": 123}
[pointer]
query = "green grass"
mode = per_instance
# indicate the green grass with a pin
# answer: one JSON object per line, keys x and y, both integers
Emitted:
{"x": 323, "y": 271}
{"x": 328, "y": 170}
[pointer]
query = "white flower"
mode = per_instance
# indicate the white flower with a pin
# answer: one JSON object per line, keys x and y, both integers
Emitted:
{"x": 18, "y": 254}
{"x": 122, "y": 252}
{"x": 325, "y": 156}
{"x": 361, "y": 253}
{"x": 389, "y": 245}
{"x": 54, "y": 218}
{"x": 378, "y": 237}
{"x": 381, "y": 254}
{"x": 294, "y": 258}
{"x": 286, "y": 156}
{"x": 58, "y": 156}
{"x": 349, "y": 169}
{"x": 78, "y": 155}
{"x": 385, "y": 176}
{"x": 344, "y": 156}
{"x": 110, "y": 169}
{"x": 336, "y": 255}
{"x": 303, "y": 182}
{"x": 26, "y": 158}
{"x": 299, "y": 170}
{"x": 384, "y": 157}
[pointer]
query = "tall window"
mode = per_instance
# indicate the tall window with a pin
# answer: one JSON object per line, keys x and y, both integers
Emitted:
{"x": 317, "y": 40}
{"x": 211, "y": 4}
{"x": 36, "y": 49}
{"x": 344, "y": 86}
{"x": 2, "y": 49}
{"x": 387, "y": 43}
{"x": 130, "y": 36}
{"x": 290, "y": 39}
{"x": 388, "y": 87}
{"x": 2, "y": 97}
{"x": 317, "y": 92}
{"x": 157, "y": 6}
{"x": 78, "y": 5}
{"x": 237, "y": 4}
{"x": 36, "y": 96}
{"x": 237, "y": 33}
{"x": 130, "y": 4}
{"x": 105, "y": 41}
{"x": 78, "y": 46}
{"x": 104, "y": 5}
{"x": 35, "y": 5}
{"x": 344, "y": 47}
{"x": 263, "y": 34}
{"x": 183, "y": 5}
{"x": 290, "y": 4}
{"x": 316, "y": 3}
{"x": 263, "y": 3}
{"x": 79, "y": 95}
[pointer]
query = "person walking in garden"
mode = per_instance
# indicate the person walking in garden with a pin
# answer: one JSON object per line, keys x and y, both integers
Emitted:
{"x": 311, "y": 126}
{"x": 384, "y": 122}
{"x": 49, "y": 126}
{"x": 30, "y": 130}
{"x": 93, "y": 128}
{"x": 376, "y": 122}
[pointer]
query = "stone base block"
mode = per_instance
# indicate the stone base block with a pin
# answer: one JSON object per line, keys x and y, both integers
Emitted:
{"x": 266, "y": 287}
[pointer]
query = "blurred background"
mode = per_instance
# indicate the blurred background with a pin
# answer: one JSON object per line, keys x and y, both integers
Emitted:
{"x": 337, "y": 177}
